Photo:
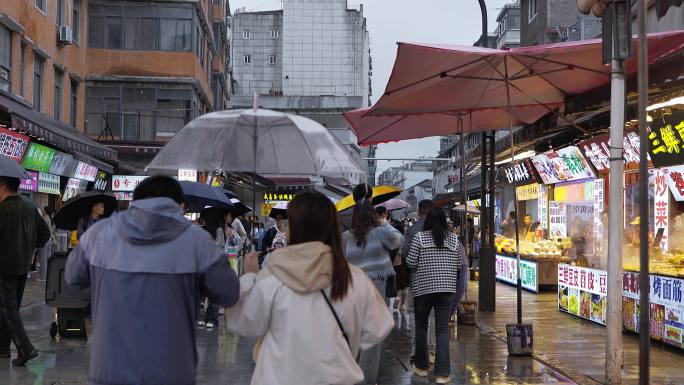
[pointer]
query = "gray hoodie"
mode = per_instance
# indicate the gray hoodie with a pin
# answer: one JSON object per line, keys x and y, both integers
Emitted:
{"x": 146, "y": 267}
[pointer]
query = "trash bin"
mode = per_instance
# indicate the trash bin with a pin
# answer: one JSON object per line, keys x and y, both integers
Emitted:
{"x": 520, "y": 339}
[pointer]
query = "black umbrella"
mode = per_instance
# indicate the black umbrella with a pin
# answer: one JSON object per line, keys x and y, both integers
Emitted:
{"x": 279, "y": 209}
{"x": 239, "y": 208}
{"x": 80, "y": 206}
{"x": 200, "y": 195}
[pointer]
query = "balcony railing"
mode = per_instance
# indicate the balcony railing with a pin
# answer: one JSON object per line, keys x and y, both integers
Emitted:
{"x": 588, "y": 28}
{"x": 509, "y": 38}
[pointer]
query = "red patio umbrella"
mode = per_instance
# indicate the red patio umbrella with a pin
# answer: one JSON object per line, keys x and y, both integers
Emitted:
{"x": 442, "y": 78}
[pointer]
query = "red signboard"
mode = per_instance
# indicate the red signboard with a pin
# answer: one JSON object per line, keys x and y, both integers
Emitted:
{"x": 597, "y": 150}
{"x": 13, "y": 144}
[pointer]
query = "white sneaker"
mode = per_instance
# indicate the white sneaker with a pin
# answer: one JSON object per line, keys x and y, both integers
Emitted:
{"x": 442, "y": 380}
{"x": 420, "y": 372}
{"x": 210, "y": 325}
{"x": 201, "y": 323}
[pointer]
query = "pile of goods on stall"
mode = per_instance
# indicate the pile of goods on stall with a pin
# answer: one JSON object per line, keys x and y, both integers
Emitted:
{"x": 671, "y": 263}
{"x": 555, "y": 250}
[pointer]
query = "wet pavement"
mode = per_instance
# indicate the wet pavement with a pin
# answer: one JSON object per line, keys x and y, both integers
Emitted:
{"x": 478, "y": 354}
{"x": 575, "y": 346}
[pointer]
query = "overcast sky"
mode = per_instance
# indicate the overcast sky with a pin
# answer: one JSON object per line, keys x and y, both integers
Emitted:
{"x": 416, "y": 21}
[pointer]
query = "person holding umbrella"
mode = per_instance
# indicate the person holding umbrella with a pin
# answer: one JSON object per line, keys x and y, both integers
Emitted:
{"x": 22, "y": 231}
{"x": 97, "y": 210}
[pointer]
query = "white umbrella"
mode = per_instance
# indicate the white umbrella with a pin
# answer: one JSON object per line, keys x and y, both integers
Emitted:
{"x": 394, "y": 204}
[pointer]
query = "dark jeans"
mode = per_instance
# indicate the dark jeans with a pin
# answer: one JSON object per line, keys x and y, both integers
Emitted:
{"x": 11, "y": 327}
{"x": 422, "y": 306}
{"x": 211, "y": 314}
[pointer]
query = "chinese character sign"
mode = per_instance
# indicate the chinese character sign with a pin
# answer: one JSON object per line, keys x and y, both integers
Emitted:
{"x": 101, "y": 181}
{"x": 13, "y": 144}
{"x": 48, "y": 183}
{"x": 557, "y": 219}
{"x": 86, "y": 172}
{"x": 666, "y": 139}
{"x": 29, "y": 184}
{"x": 126, "y": 182}
{"x": 507, "y": 271}
{"x": 189, "y": 175}
{"x": 542, "y": 204}
{"x": 577, "y": 166}
{"x": 661, "y": 208}
{"x": 546, "y": 169}
{"x": 521, "y": 173}
{"x": 38, "y": 157}
{"x": 527, "y": 192}
{"x": 582, "y": 291}
{"x": 674, "y": 176}
{"x": 598, "y": 211}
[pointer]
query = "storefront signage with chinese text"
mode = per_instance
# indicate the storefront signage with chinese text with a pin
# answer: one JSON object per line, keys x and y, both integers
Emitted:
{"x": 126, "y": 182}
{"x": 280, "y": 197}
{"x": 543, "y": 206}
{"x": 74, "y": 187}
{"x": 521, "y": 173}
{"x": 666, "y": 139}
{"x": 507, "y": 271}
{"x": 13, "y": 144}
{"x": 661, "y": 210}
{"x": 189, "y": 175}
{"x": 101, "y": 181}
{"x": 597, "y": 150}
{"x": 60, "y": 164}
{"x": 582, "y": 292}
{"x": 38, "y": 157}
{"x": 557, "y": 219}
{"x": 666, "y": 307}
{"x": 86, "y": 172}
{"x": 48, "y": 183}
{"x": 566, "y": 164}
{"x": 598, "y": 220}
{"x": 30, "y": 184}
{"x": 674, "y": 176}
{"x": 527, "y": 192}
{"x": 123, "y": 196}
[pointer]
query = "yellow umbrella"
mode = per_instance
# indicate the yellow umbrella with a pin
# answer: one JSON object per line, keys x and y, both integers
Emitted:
{"x": 381, "y": 194}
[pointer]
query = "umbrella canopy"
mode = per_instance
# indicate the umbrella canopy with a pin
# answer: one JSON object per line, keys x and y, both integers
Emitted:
{"x": 279, "y": 209}
{"x": 80, "y": 206}
{"x": 239, "y": 208}
{"x": 11, "y": 169}
{"x": 394, "y": 204}
{"x": 381, "y": 194}
{"x": 382, "y": 129}
{"x": 261, "y": 141}
{"x": 443, "y": 78}
{"x": 200, "y": 195}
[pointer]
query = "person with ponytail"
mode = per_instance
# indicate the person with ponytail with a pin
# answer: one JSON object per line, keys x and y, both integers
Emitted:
{"x": 368, "y": 245}
{"x": 434, "y": 257}
{"x": 312, "y": 311}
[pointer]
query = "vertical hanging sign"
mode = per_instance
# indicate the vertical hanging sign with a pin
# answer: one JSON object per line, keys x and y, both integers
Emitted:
{"x": 598, "y": 212}
{"x": 661, "y": 209}
{"x": 542, "y": 204}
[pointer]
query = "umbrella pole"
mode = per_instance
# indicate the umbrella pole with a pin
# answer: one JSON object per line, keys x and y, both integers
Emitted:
{"x": 254, "y": 160}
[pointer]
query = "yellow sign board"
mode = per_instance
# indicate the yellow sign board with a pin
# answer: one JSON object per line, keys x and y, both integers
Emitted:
{"x": 527, "y": 192}
{"x": 278, "y": 197}
{"x": 266, "y": 208}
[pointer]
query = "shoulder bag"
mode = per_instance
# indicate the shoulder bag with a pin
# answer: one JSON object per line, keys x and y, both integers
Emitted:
{"x": 339, "y": 323}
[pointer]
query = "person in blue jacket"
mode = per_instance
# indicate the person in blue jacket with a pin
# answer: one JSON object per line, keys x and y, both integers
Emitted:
{"x": 147, "y": 268}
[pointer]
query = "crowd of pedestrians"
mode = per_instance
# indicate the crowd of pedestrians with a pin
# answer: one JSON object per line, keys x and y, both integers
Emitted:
{"x": 315, "y": 298}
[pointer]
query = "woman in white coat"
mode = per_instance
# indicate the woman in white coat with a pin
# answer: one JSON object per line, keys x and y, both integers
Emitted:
{"x": 313, "y": 311}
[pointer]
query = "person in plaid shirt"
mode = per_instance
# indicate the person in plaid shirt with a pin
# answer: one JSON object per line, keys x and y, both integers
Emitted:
{"x": 434, "y": 257}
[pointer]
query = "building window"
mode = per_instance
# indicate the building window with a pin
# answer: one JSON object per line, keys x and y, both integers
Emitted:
{"x": 218, "y": 37}
{"x": 59, "y": 16}
{"x": 76, "y": 20}
{"x": 533, "y": 9}
{"x": 113, "y": 32}
{"x": 140, "y": 33}
{"x": 274, "y": 34}
{"x": 175, "y": 34}
{"x": 73, "y": 108}
{"x": 5, "y": 58}
{"x": 246, "y": 34}
{"x": 38, "y": 68}
{"x": 248, "y": 59}
{"x": 59, "y": 81}
{"x": 41, "y": 4}
{"x": 272, "y": 59}
{"x": 22, "y": 68}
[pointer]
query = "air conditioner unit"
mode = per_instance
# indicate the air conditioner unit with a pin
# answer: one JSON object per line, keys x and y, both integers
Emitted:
{"x": 64, "y": 34}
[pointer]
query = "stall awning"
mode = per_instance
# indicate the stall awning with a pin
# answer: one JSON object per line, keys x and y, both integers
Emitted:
{"x": 54, "y": 132}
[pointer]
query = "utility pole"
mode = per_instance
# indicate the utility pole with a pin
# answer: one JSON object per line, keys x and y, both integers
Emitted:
{"x": 617, "y": 45}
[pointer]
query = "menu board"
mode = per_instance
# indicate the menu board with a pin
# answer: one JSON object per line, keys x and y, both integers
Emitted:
{"x": 48, "y": 183}
{"x": 666, "y": 139}
{"x": 582, "y": 292}
{"x": 557, "y": 219}
{"x": 189, "y": 175}
{"x": 507, "y": 271}
{"x": 29, "y": 184}
{"x": 597, "y": 150}
{"x": 38, "y": 157}
{"x": 126, "y": 182}
{"x": 527, "y": 192}
{"x": 666, "y": 307}
{"x": 86, "y": 172}
{"x": 60, "y": 164}
{"x": 13, "y": 144}
{"x": 521, "y": 173}
{"x": 566, "y": 164}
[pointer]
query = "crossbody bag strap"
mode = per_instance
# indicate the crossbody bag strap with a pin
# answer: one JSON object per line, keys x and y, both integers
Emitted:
{"x": 339, "y": 323}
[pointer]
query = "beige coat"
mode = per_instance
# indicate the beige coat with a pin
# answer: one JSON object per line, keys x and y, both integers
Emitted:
{"x": 302, "y": 343}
